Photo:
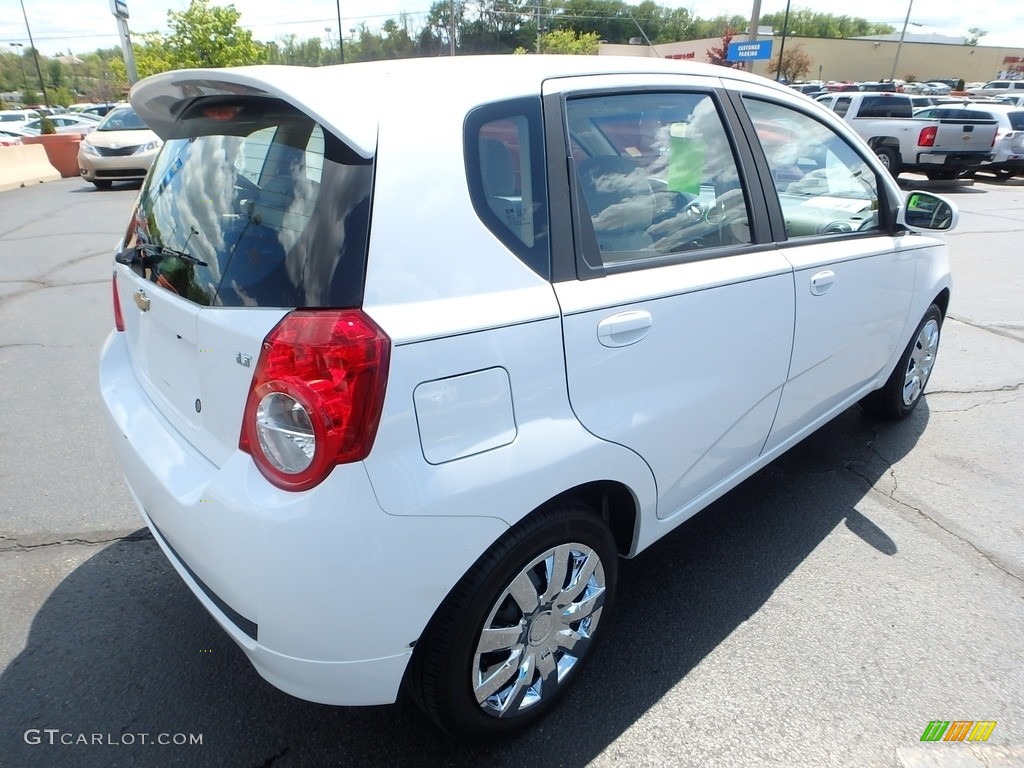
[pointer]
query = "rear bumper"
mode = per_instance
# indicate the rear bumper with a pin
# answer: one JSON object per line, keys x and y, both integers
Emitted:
{"x": 324, "y": 592}
{"x": 952, "y": 160}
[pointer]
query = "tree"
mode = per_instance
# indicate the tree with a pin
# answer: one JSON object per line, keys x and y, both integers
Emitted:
{"x": 796, "y": 63}
{"x": 720, "y": 56}
{"x": 804, "y": 22}
{"x": 568, "y": 41}
{"x": 976, "y": 33}
{"x": 200, "y": 36}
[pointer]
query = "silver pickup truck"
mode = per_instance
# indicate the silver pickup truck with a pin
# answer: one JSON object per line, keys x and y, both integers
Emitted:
{"x": 940, "y": 148}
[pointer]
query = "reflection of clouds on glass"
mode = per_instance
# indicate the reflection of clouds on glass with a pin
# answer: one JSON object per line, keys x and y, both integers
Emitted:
{"x": 622, "y": 184}
{"x": 208, "y": 199}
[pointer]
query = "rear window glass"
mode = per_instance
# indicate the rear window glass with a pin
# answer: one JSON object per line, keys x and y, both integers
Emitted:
{"x": 1016, "y": 120}
{"x": 254, "y": 205}
{"x": 884, "y": 106}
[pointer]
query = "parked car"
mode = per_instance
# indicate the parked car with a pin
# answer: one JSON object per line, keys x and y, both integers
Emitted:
{"x": 12, "y": 119}
{"x": 1008, "y": 149}
{"x": 120, "y": 149}
{"x": 1016, "y": 100}
{"x": 396, "y": 386}
{"x": 9, "y": 138}
{"x": 998, "y": 88}
{"x": 904, "y": 141}
{"x": 63, "y": 123}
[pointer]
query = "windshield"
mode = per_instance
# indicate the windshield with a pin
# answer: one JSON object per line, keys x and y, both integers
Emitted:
{"x": 258, "y": 206}
{"x": 123, "y": 119}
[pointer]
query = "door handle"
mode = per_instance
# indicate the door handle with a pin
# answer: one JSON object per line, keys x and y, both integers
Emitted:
{"x": 822, "y": 282}
{"x": 624, "y": 328}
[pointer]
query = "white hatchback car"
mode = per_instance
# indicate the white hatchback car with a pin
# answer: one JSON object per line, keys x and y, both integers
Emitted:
{"x": 401, "y": 370}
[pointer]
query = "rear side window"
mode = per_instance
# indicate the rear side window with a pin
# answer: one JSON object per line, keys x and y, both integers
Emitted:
{"x": 505, "y": 172}
{"x": 255, "y": 205}
{"x": 1016, "y": 120}
{"x": 882, "y": 106}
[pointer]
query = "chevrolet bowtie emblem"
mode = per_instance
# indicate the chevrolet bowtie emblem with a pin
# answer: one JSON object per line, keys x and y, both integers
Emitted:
{"x": 141, "y": 300}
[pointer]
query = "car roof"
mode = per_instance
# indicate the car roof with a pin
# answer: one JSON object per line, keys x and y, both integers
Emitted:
{"x": 351, "y": 98}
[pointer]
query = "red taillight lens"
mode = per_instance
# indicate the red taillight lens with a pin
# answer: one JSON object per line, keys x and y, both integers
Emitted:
{"x": 316, "y": 396}
{"x": 118, "y": 316}
{"x": 927, "y": 137}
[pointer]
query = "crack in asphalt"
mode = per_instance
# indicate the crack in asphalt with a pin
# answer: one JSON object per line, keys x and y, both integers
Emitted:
{"x": 987, "y": 327}
{"x": 274, "y": 758}
{"x": 43, "y": 285}
{"x": 851, "y": 466}
{"x": 11, "y": 544}
{"x": 993, "y": 391}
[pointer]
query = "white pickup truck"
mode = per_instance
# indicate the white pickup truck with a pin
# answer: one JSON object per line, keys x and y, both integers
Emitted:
{"x": 939, "y": 148}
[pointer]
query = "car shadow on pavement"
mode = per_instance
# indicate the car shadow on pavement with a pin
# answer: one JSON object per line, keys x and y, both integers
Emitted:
{"x": 121, "y": 648}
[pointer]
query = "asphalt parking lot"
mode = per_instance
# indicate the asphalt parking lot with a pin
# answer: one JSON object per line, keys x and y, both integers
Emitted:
{"x": 822, "y": 614}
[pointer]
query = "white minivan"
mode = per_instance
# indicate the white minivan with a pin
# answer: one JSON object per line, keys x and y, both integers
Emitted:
{"x": 409, "y": 354}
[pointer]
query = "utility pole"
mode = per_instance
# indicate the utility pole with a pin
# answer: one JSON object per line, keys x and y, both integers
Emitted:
{"x": 782, "y": 48}
{"x": 35, "y": 55}
{"x": 451, "y": 28}
{"x": 341, "y": 37}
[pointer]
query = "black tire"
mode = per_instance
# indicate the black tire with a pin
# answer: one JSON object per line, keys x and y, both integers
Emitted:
{"x": 904, "y": 388}
{"x": 446, "y": 667}
{"x": 103, "y": 183}
{"x": 889, "y": 158}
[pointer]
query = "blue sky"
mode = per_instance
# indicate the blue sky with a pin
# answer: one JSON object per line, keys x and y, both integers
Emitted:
{"x": 84, "y": 25}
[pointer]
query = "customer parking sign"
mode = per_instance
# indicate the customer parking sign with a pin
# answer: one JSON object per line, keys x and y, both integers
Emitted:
{"x": 749, "y": 51}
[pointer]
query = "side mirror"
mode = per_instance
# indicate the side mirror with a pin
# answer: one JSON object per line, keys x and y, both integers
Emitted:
{"x": 923, "y": 211}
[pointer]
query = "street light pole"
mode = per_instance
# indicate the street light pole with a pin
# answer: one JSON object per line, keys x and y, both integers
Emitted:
{"x": 899, "y": 47}
{"x": 35, "y": 55}
{"x": 21, "y": 59}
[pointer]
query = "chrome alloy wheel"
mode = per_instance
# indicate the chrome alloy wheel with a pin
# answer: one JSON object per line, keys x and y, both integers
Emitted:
{"x": 538, "y": 629}
{"x": 922, "y": 359}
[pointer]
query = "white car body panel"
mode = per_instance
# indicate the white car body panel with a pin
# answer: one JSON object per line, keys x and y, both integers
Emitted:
{"x": 682, "y": 396}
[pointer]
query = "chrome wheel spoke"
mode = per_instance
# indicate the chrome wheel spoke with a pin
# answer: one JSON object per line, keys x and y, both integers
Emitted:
{"x": 548, "y": 669}
{"x": 580, "y": 579}
{"x": 498, "y": 678}
{"x": 579, "y": 611}
{"x": 500, "y": 639}
{"x": 521, "y": 686}
{"x": 573, "y": 641}
{"x": 524, "y": 593}
{"x": 556, "y": 566}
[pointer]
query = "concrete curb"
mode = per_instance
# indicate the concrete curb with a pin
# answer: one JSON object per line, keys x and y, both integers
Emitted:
{"x": 23, "y": 165}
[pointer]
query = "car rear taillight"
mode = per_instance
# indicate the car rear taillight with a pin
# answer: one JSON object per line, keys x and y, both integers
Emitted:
{"x": 927, "y": 137}
{"x": 316, "y": 396}
{"x": 118, "y": 316}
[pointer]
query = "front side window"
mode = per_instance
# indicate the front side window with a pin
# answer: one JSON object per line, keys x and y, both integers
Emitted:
{"x": 254, "y": 205}
{"x": 656, "y": 177}
{"x": 824, "y": 185}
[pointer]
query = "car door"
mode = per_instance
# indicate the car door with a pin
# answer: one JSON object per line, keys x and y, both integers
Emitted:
{"x": 677, "y": 312}
{"x": 853, "y": 279}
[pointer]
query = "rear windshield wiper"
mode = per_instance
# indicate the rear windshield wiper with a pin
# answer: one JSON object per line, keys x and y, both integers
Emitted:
{"x": 153, "y": 254}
